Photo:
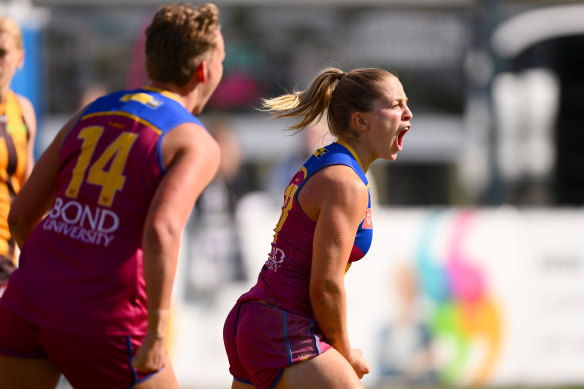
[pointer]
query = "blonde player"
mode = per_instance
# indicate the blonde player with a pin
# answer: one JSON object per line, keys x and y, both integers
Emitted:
{"x": 290, "y": 329}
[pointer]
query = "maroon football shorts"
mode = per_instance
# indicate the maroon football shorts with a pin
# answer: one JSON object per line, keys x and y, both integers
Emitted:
{"x": 87, "y": 361}
{"x": 261, "y": 340}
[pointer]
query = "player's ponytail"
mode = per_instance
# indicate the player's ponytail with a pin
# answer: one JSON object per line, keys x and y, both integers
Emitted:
{"x": 308, "y": 105}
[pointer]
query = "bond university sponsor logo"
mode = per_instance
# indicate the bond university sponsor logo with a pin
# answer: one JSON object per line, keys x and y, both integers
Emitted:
{"x": 82, "y": 222}
{"x": 275, "y": 258}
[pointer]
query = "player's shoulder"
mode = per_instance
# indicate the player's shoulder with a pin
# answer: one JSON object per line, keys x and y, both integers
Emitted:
{"x": 339, "y": 181}
{"x": 22, "y": 100}
{"x": 341, "y": 175}
{"x": 190, "y": 135}
{"x": 190, "y": 140}
{"x": 24, "y": 103}
{"x": 192, "y": 131}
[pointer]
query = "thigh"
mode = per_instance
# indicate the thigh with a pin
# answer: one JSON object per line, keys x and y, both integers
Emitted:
{"x": 329, "y": 370}
{"x": 23, "y": 363}
{"x": 94, "y": 361}
{"x": 164, "y": 379}
{"x": 28, "y": 373}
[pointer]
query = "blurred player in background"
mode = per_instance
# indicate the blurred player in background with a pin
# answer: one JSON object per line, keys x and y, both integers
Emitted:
{"x": 17, "y": 133}
{"x": 290, "y": 329}
{"x": 100, "y": 221}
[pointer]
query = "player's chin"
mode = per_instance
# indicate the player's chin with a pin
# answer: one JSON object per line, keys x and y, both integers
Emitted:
{"x": 392, "y": 155}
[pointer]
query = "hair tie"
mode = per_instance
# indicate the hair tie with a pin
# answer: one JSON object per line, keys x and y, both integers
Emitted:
{"x": 341, "y": 75}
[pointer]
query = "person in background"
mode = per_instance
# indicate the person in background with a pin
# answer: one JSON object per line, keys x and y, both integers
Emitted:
{"x": 100, "y": 221}
{"x": 290, "y": 329}
{"x": 17, "y": 135}
{"x": 405, "y": 351}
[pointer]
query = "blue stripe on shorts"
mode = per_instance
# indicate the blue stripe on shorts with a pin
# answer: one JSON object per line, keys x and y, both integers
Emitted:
{"x": 316, "y": 342}
{"x": 286, "y": 340}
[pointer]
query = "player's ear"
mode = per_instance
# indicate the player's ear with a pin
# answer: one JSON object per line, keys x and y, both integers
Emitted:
{"x": 359, "y": 121}
{"x": 20, "y": 63}
{"x": 202, "y": 71}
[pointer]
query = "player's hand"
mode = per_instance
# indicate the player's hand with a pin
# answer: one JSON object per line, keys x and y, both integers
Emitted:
{"x": 151, "y": 356}
{"x": 359, "y": 363}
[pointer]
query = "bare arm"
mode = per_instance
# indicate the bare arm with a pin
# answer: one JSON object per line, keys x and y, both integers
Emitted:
{"x": 191, "y": 156}
{"x": 31, "y": 122}
{"x": 339, "y": 201}
{"x": 29, "y": 207}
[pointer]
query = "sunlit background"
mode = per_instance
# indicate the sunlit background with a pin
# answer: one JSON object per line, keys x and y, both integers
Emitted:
{"x": 476, "y": 273}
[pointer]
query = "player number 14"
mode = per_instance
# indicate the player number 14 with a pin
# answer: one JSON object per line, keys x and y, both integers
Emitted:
{"x": 114, "y": 157}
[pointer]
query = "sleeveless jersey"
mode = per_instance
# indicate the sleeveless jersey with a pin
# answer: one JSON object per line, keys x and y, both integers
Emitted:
{"x": 13, "y": 158}
{"x": 81, "y": 269}
{"x": 285, "y": 277}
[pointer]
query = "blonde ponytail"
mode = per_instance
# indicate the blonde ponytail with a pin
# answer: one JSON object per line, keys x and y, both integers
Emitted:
{"x": 309, "y": 105}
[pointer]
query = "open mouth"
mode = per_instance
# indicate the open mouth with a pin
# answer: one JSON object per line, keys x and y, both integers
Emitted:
{"x": 400, "y": 138}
